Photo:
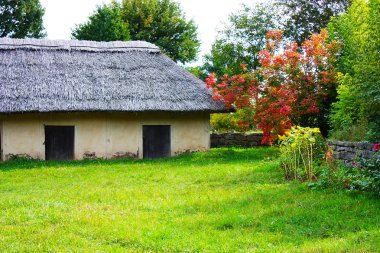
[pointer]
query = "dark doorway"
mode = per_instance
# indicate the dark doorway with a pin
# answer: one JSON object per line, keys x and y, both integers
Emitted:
{"x": 1, "y": 147}
{"x": 59, "y": 142}
{"x": 156, "y": 141}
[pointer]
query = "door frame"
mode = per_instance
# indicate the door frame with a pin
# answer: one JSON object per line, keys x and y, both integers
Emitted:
{"x": 59, "y": 125}
{"x": 157, "y": 124}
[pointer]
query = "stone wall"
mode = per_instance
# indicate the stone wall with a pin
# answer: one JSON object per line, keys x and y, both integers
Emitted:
{"x": 349, "y": 151}
{"x": 236, "y": 139}
{"x": 343, "y": 150}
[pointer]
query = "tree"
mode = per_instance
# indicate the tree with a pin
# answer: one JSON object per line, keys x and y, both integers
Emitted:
{"x": 291, "y": 84}
{"x": 359, "y": 63}
{"x": 105, "y": 24}
{"x": 244, "y": 35}
{"x": 21, "y": 19}
{"x": 309, "y": 16}
{"x": 163, "y": 23}
{"x": 160, "y": 22}
{"x": 198, "y": 72}
{"x": 242, "y": 38}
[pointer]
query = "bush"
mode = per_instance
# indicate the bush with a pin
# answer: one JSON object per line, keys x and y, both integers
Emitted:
{"x": 302, "y": 152}
{"x": 364, "y": 174}
{"x": 351, "y": 120}
{"x": 330, "y": 174}
{"x": 240, "y": 121}
{"x": 359, "y": 90}
{"x": 354, "y": 132}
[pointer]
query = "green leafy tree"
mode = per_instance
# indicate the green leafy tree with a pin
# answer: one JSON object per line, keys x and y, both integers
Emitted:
{"x": 359, "y": 91}
{"x": 242, "y": 38}
{"x": 309, "y": 16}
{"x": 163, "y": 23}
{"x": 198, "y": 72}
{"x": 105, "y": 24}
{"x": 21, "y": 19}
{"x": 160, "y": 22}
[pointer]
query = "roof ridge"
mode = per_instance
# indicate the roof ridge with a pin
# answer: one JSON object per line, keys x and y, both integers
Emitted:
{"x": 80, "y": 45}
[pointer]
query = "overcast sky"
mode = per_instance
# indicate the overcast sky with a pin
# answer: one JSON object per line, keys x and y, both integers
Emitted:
{"x": 61, "y": 16}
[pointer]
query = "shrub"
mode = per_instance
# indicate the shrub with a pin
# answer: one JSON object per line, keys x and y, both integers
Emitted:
{"x": 302, "y": 151}
{"x": 364, "y": 174}
{"x": 359, "y": 90}
{"x": 240, "y": 121}
{"x": 355, "y": 132}
{"x": 330, "y": 174}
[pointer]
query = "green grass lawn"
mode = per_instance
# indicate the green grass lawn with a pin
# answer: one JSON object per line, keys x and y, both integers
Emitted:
{"x": 225, "y": 200}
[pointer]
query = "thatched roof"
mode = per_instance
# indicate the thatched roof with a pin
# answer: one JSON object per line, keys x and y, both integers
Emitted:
{"x": 62, "y": 76}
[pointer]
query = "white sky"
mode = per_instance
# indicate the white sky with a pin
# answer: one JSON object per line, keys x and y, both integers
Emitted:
{"x": 61, "y": 16}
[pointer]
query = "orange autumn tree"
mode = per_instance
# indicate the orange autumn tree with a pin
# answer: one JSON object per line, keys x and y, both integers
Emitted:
{"x": 291, "y": 83}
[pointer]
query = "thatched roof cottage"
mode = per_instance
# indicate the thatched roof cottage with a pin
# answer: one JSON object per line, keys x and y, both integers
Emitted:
{"x": 78, "y": 99}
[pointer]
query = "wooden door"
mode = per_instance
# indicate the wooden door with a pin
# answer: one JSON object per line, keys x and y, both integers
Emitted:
{"x": 59, "y": 142}
{"x": 1, "y": 149}
{"x": 156, "y": 141}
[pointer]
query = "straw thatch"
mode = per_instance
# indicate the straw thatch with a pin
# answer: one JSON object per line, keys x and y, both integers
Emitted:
{"x": 62, "y": 76}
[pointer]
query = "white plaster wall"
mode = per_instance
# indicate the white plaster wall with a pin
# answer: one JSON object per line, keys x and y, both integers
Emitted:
{"x": 105, "y": 134}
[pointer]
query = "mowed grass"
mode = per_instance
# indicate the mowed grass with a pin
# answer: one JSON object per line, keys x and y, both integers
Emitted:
{"x": 225, "y": 200}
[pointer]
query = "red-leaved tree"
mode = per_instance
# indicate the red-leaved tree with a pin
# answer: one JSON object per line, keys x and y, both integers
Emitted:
{"x": 291, "y": 83}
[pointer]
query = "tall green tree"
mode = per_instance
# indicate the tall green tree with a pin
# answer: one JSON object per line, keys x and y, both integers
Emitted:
{"x": 309, "y": 16}
{"x": 161, "y": 22}
{"x": 105, "y": 24}
{"x": 359, "y": 91}
{"x": 242, "y": 38}
{"x": 21, "y": 19}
